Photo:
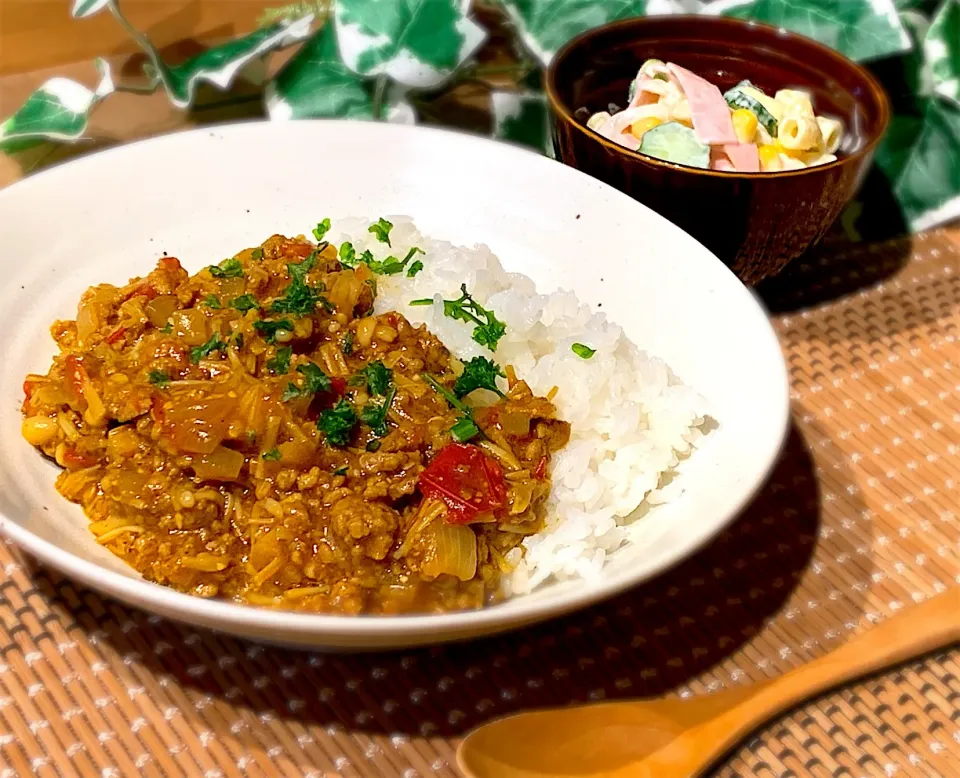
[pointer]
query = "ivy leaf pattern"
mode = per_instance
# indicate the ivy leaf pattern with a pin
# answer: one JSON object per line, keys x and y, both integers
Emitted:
{"x": 220, "y": 65}
{"x": 58, "y": 111}
{"x": 545, "y": 25}
{"x": 417, "y": 43}
{"x": 522, "y": 118}
{"x": 941, "y": 47}
{"x": 316, "y": 83}
{"x": 861, "y": 29}
{"x": 84, "y": 8}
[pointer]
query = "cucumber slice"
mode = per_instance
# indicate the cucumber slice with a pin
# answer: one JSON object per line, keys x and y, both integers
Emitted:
{"x": 675, "y": 142}
{"x": 739, "y": 98}
{"x": 770, "y": 103}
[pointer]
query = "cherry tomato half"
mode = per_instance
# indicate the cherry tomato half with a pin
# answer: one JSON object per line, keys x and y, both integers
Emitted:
{"x": 467, "y": 480}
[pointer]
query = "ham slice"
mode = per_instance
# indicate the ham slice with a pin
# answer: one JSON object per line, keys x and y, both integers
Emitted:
{"x": 744, "y": 156}
{"x": 611, "y": 131}
{"x": 720, "y": 161}
{"x": 711, "y": 116}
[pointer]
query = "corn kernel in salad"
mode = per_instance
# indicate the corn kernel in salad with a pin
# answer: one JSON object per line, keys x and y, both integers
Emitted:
{"x": 769, "y": 158}
{"x": 640, "y": 127}
{"x": 744, "y": 125}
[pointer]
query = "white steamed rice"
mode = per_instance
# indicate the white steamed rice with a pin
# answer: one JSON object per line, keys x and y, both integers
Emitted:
{"x": 632, "y": 420}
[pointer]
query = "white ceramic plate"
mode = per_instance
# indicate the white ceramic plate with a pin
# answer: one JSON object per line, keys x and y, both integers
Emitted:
{"x": 203, "y": 195}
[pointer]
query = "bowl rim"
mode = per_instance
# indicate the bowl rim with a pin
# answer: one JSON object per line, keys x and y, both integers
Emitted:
{"x": 561, "y": 111}
{"x": 326, "y": 629}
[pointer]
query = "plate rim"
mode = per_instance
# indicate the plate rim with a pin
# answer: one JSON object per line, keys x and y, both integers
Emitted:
{"x": 221, "y": 614}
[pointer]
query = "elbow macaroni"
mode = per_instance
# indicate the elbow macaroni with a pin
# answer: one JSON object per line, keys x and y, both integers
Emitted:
{"x": 655, "y": 68}
{"x": 832, "y": 132}
{"x": 795, "y": 101}
{"x": 680, "y": 112}
{"x": 799, "y": 129}
{"x": 799, "y": 133}
{"x": 597, "y": 120}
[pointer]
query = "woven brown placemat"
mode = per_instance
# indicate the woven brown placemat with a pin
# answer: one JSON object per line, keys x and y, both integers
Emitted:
{"x": 858, "y": 521}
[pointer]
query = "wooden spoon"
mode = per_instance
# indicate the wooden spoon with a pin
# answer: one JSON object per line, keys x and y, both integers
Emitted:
{"x": 673, "y": 738}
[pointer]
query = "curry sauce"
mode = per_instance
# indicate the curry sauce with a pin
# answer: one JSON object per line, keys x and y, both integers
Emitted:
{"x": 254, "y": 432}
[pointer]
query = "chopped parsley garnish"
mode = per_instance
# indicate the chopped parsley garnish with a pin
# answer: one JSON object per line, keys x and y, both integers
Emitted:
{"x": 269, "y": 329}
{"x": 238, "y": 339}
{"x": 584, "y": 352}
{"x": 321, "y": 229}
{"x": 315, "y": 380}
{"x": 346, "y": 345}
{"x": 488, "y": 330}
{"x": 199, "y": 352}
{"x": 381, "y": 228}
{"x": 374, "y": 415}
{"x": 465, "y": 425}
{"x": 257, "y": 253}
{"x": 272, "y": 455}
{"x": 292, "y": 392}
{"x": 464, "y": 429}
{"x": 348, "y": 254}
{"x": 298, "y": 270}
{"x": 341, "y": 470}
{"x": 390, "y": 266}
{"x": 414, "y": 268}
{"x": 478, "y": 373}
{"x": 337, "y": 423}
{"x": 244, "y": 303}
{"x": 413, "y": 252}
{"x": 229, "y": 268}
{"x": 449, "y": 396}
{"x": 300, "y": 298}
{"x": 159, "y": 378}
{"x": 378, "y": 376}
{"x": 387, "y": 267}
{"x": 373, "y": 445}
{"x": 281, "y": 362}
{"x": 379, "y": 379}
{"x": 211, "y": 301}
{"x": 167, "y": 328}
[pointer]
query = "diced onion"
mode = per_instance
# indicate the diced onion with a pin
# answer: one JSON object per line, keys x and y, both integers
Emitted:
{"x": 452, "y": 550}
{"x": 199, "y": 426}
{"x": 161, "y": 308}
{"x": 297, "y": 452}
{"x": 514, "y": 422}
{"x": 87, "y": 321}
{"x": 223, "y": 464}
{"x": 191, "y": 325}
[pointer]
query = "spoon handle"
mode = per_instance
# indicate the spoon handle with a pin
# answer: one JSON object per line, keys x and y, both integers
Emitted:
{"x": 917, "y": 630}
